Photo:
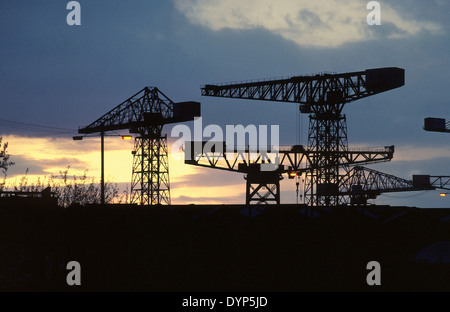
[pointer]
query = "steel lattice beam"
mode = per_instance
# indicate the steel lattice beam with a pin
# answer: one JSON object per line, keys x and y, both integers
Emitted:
{"x": 442, "y": 182}
{"x": 291, "y": 158}
{"x": 262, "y": 187}
{"x": 249, "y": 160}
{"x": 311, "y": 89}
{"x": 323, "y": 97}
{"x": 147, "y": 108}
{"x": 150, "y": 179}
{"x": 361, "y": 184}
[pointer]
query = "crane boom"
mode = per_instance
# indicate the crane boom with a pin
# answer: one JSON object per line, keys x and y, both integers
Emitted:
{"x": 318, "y": 88}
{"x": 363, "y": 183}
{"x": 148, "y": 107}
{"x": 291, "y": 159}
{"x": 145, "y": 113}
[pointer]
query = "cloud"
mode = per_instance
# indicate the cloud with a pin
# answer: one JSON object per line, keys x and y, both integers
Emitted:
{"x": 185, "y": 200}
{"x": 42, "y": 166}
{"x": 417, "y": 153}
{"x": 208, "y": 177}
{"x": 43, "y": 156}
{"x": 326, "y": 23}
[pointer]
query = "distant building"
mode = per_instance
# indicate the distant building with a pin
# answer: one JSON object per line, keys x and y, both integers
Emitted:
{"x": 21, "y": 199}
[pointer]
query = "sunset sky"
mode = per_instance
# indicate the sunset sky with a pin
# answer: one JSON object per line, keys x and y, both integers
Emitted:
{"x": 60, "y": 76}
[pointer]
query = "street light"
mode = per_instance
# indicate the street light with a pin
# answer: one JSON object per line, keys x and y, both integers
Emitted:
{"x": 102, "y": 179}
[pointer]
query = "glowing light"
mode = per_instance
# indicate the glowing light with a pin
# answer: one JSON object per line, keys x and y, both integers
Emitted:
{"x": 443, "y": 194}
{"x": 126, "y": 137}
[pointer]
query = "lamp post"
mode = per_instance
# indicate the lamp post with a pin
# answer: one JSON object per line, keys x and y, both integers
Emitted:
{"x": 102, "y": 180}
{"x": 102, "y": 159}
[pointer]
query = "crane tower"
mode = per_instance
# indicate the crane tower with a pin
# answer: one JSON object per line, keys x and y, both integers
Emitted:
{"x": 145, "y": 113}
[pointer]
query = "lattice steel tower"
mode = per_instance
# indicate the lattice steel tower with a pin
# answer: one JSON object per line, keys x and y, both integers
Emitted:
{"x": 145, "y": 114}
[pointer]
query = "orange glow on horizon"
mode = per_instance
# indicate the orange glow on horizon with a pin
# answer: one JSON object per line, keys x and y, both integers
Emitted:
{"x": 46, "y": 156}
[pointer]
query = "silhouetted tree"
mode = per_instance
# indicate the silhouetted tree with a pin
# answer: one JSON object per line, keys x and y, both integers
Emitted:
{"x": 4, "y": 161}
{"x": 70, "y": 189}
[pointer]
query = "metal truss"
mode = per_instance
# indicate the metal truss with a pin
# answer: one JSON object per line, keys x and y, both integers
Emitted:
{"x": 150, "y": 179}
{"x": 441, "y": 182}
{"x": 145, "y": 114}
{"x": 290, "y": 158}
{"x": 323, "y": 97}
{"x": 308, "y": 89}
{"x": 326, "y": 136}
{"x": 264, "y": 173}
{"x": 361, "y": 184}
{"x": 263, "y": 187}
{"x": 147, "y": 108}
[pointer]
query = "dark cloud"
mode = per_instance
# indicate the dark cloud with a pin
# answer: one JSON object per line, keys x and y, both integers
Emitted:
{"x": 41, "y": 166}
{"x": 311, "y": 18}
{"x": 387, "y": 31}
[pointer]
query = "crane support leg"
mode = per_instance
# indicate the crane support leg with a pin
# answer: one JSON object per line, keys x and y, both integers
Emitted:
{"x": 263, "y": 188}
{"x": 327, "y": 137}
{"x": 150, "y": 179}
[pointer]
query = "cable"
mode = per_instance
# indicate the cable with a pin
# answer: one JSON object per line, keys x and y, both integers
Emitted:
{"x": 296, "y": 128}
{"x": 300, "y": 126}
{"x": 35, "y": 127}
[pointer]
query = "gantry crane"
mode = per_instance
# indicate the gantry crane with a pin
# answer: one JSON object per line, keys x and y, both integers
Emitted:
{"x": 145, "y": 113}
{"x": 323, "y": 97}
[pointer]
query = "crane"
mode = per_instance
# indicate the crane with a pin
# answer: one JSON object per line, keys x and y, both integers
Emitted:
{"x": 363, "y": 183}
{"x": 145, "y": 113}
{"x": 323, "y": 97}
{"x": 263, "y": 185}
{"x": 438, "y": 125}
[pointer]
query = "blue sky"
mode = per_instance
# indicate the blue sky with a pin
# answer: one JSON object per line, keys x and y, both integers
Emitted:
{"x": 68, "y": 76}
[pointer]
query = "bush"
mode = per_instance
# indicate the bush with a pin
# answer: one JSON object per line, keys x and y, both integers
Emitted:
{"x": 70, "y": 189}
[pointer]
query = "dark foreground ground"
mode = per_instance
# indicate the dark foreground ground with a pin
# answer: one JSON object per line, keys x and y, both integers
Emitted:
{"x": 220, "y": 248}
